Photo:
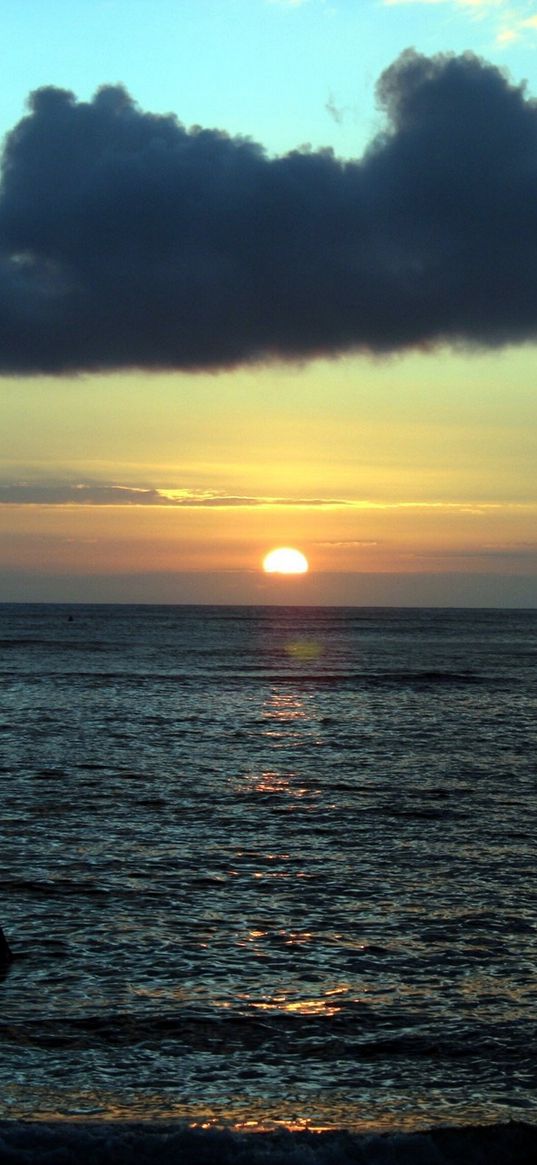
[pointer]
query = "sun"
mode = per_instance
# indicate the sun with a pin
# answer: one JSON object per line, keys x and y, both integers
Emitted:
{"x": 285, "y": 560}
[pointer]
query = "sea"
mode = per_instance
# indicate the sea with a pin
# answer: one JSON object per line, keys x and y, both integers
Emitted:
{"x": 268, "y": 875}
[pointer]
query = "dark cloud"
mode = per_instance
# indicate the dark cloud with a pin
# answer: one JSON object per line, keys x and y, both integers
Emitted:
{"x": 37, "y": 493}
{"x": 127, "y": 240}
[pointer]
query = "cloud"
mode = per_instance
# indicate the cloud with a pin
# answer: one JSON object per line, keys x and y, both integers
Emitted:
{"x": 37, "y": 493}
{"x": 517, "y": 551}
{"x": 127, "y": 240}
{"x": 335, "y": 111}
{"x": 476, "y": 7}
{"x": 346, "y": 543}
{"x": 67, "y": 493}
{"x": 511, "y": 21}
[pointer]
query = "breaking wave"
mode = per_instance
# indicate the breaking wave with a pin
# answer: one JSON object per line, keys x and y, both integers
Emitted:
{"x": 166, "y": 1144}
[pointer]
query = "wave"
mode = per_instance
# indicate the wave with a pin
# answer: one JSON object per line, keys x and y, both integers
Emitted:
{"x": 254, "y": 674}
{"x": 164, "y": 1143}
{"x": 355, "y": 1034}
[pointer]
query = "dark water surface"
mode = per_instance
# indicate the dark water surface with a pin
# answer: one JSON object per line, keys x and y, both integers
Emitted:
{"x": 269, "y": 866}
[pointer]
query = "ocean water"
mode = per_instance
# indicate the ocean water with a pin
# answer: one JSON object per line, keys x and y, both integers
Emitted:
{"x": 271, "y": 869}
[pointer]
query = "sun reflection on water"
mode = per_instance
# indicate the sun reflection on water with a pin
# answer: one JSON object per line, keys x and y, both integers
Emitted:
{"x": 283, "y": 706}
{"x": 272, "y": 782}
{"x": 286, "y": 1002}
{"x": 304, "y": 650}
{"x": 283, "y": 719}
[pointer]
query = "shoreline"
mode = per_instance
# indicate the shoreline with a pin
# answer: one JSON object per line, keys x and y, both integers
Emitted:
{"x": 163, "y": 1142}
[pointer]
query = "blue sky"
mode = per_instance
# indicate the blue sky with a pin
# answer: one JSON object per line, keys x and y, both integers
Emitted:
{"x": 285, "y": 72}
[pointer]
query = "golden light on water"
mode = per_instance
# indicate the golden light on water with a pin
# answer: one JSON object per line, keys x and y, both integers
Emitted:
{"x": 285, "y": 560}
{"x": 326, "y": 1004}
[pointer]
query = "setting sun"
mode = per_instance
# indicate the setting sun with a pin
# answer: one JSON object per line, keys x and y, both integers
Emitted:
{"x": 285, "y": 560}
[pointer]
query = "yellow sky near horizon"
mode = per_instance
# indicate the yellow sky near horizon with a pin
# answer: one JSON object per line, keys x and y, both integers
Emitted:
{"x": 449, "y": 427}
{"x": 427, "y": 461}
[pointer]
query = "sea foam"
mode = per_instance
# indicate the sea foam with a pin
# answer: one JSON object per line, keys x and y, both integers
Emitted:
{"x": 74, "y": 1143}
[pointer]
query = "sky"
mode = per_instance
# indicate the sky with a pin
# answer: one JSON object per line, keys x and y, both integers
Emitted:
{"x": 268, "y": 276}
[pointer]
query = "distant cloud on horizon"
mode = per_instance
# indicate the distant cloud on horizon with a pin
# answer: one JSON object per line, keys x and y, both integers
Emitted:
{"x": 95, "y": 494}
{"x": 71, "y": 493}
{"x": 129, "y": 241}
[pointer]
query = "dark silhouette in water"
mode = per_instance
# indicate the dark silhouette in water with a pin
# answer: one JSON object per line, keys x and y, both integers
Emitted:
{"x": 6, "y": 954}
